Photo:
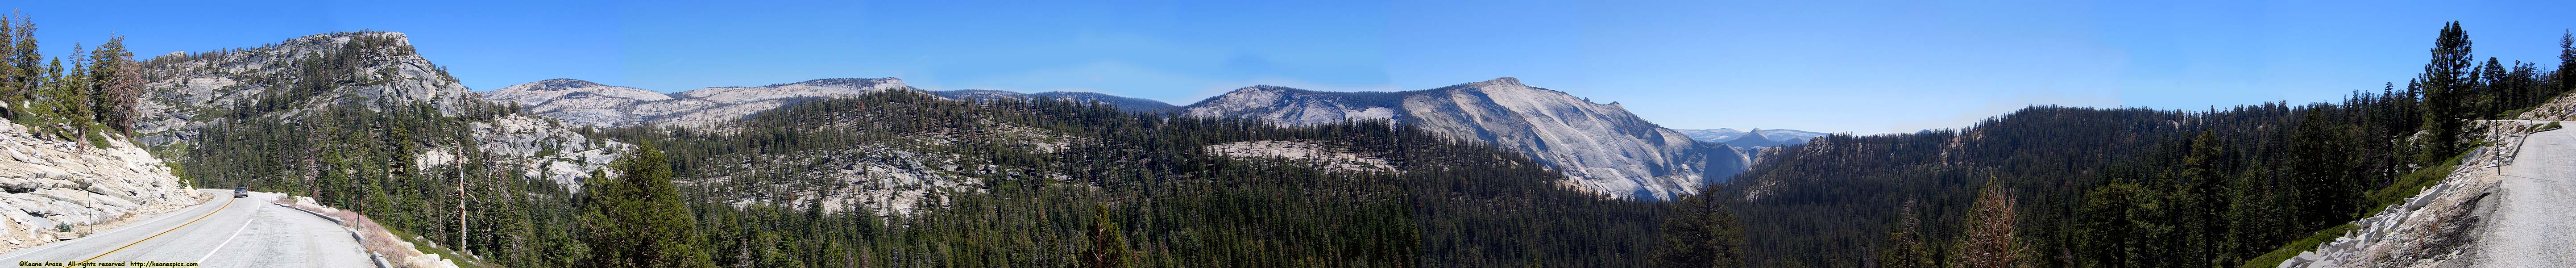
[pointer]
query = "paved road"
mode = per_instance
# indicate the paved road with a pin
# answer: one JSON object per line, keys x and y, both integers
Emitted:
{"x": 2534, "y": 224}
{"x": 240, "y": 232}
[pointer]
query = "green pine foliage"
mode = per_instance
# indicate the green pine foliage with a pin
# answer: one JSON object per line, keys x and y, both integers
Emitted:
{"x": 639, "y": 219}
{"x": 1701, "y": 233}
{"x": 90, "y": 102}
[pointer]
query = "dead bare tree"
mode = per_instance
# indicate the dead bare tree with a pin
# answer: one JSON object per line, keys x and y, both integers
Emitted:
{"x": 1990, "y": 233}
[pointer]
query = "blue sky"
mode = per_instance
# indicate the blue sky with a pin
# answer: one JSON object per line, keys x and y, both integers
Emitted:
{"x": 1841, "y": 66}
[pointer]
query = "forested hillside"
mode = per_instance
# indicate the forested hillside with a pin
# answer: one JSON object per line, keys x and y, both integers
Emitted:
{"x": 901, "y": 178}
{"x": 1106, "y": 187}
{"x": 1133, "y": 189}
{"x": 2122, "y": 187}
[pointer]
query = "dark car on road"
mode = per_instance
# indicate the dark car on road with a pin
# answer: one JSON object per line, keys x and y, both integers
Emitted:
{"x": 240, "y": 192}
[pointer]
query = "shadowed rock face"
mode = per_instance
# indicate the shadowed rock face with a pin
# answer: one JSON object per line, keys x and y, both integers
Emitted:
{"x": 586, "y": 103}
{"x": 1600, "y": 147}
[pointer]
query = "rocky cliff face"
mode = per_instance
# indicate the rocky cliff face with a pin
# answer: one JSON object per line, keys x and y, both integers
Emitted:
{"x": 50, "y": 182}
{"x": 1309, "y": 153}
{"x": 577, "y": 101}
{"x": 1601, "y": 147}
{"x": 586, "y": 103}
{"x": 186, "y": 91}
{"x": 544, "y": 148}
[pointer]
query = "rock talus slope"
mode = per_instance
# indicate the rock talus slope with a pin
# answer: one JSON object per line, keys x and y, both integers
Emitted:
{"x": 1601, "y": 147}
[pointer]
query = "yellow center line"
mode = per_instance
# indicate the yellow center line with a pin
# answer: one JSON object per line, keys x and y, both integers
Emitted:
{"x": 228, "y": 203}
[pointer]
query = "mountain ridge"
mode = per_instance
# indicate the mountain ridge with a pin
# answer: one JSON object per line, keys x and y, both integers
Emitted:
{"x": 1602, "y": 147}
{"x": 574, "y": 100}
{"x": 1123, "y": 103}
{"x": 1784, "y": 136}
{"x": 1753, "y": 139}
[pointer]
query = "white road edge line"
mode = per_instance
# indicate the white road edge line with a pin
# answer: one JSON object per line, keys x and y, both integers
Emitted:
{"x": 228, "y": 240}
{"x": 58, "y": 244}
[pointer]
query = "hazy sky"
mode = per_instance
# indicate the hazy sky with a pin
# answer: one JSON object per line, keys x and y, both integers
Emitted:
{"x": 1839, "y": 66}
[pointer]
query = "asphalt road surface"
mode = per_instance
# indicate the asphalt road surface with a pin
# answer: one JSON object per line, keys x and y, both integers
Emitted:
{"x": 2534, "y": 224}
{"x": 226, "y": 232}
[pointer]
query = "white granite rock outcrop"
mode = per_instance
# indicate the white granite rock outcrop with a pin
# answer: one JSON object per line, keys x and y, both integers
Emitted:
{"x": 587, "y": 103}
{"x": 886, "y": 180}
{"x": 1600, "y": 147}
{"x": 50, "y": 182}
{"x": 1328, "y": 158}
{"x": 540, "y": 147}
{"x": 184, "y": 92}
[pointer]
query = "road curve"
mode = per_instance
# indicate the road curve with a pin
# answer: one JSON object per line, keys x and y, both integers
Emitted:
{"x": 2534, "y": 223}
{"x": 239, "y": 232}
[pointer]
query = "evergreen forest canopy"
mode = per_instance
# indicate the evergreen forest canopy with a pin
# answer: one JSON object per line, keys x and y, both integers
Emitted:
{"x": 2115, "y": 187}
{"x": 2044, "y": 186}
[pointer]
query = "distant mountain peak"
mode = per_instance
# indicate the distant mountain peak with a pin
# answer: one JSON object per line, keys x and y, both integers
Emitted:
{"x": 403, "y": 39}
{"x": 1753, "y": 139}
{"x": 566, "y": 83}
{"x": 1269, "y": 89}
{"x": 1123, "y": 103}
{"x": 1729, "y": 135}
{"x": 849, "y": 81}
{"x": 1506, "y": 83}
{"x": 1755, "y": 134}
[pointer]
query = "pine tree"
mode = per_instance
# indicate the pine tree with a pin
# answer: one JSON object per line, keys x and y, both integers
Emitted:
{"x": 2494, "y": 86}
{"x": 115, "y": 82}
{"x": 23, "y": 67}
{"x": 638, "y": 219}
{"x": 2198, "y": 201}
{"x": 1108, "y": 243}
{"x": 1990, "y": 236}
{"x": 2446, "y": 82}
{"x": 1905, "y": 246}
{"x": 1704, "y": 234}
{"x": 10, "y": 74}
{"x": 2566, "y": 62}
